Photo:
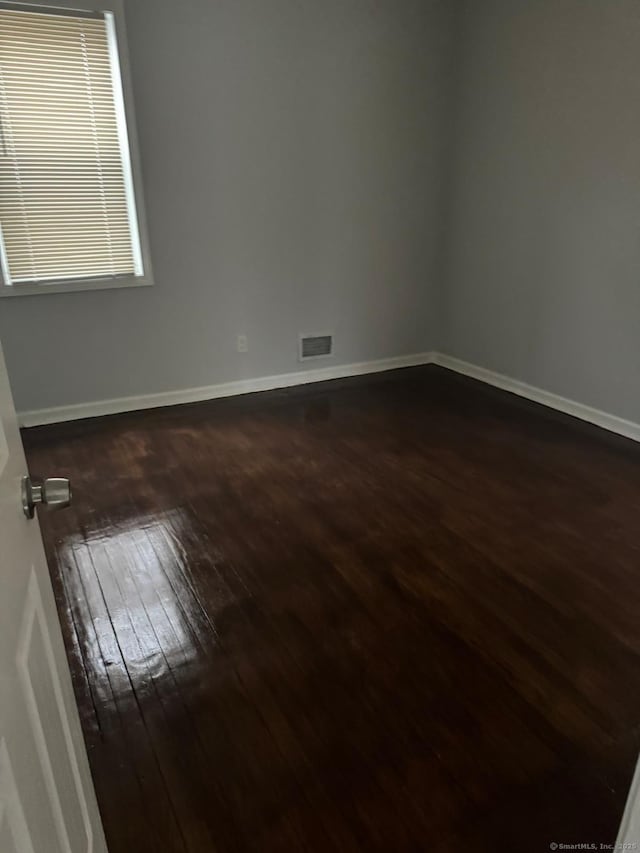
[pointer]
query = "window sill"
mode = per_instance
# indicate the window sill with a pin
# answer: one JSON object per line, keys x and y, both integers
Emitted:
{"x": 75, "y": 285}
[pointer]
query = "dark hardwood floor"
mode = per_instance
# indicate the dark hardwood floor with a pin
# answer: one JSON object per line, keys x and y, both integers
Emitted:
{"x": 395, "y": 613}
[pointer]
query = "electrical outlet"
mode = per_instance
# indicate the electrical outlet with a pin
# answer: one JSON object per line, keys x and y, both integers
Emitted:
{"x": 243, "y": 344}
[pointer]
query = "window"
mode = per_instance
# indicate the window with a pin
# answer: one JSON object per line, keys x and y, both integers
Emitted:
{"x": 69, "y": 200}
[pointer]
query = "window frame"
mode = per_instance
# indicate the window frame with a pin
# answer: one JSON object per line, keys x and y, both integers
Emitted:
{"x": 73, "y": 285}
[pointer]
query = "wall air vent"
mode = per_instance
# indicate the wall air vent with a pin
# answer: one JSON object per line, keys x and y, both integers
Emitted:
{"x": 315, "y": 346}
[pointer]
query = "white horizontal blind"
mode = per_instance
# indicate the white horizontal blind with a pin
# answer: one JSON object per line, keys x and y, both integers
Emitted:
{"x": 66, "y": 199}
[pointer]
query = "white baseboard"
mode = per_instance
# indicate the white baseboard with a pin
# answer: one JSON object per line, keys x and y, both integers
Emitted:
{"x": 98, "y": 408}
{"x": 629, "y": 429}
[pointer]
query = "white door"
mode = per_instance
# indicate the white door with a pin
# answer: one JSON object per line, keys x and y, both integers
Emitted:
{"x": 47, "y": 801}
{"x": 629, "y": 835}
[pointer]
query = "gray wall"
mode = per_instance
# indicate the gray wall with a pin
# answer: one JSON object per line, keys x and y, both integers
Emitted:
{"x": 291, "y": 153}
{"x": 542, "y": 272}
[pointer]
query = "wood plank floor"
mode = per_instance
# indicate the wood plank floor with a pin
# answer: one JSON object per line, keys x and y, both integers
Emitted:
{"x": 395, "y": 613}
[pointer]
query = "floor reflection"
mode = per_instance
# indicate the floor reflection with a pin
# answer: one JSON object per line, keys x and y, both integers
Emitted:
{"x": 136, "y": 585}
